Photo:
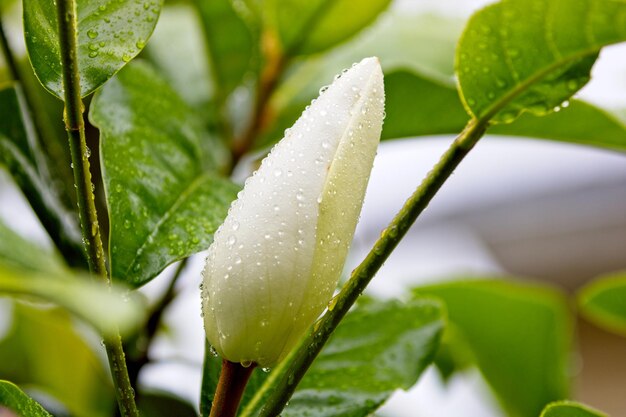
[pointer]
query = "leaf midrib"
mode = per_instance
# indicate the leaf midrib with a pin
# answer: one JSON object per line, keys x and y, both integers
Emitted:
{"x": 520, "y": 88}
{"x": 180, "y": 200}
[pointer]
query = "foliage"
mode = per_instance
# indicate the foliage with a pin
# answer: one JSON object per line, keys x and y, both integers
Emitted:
{"x": 217, "y": 85}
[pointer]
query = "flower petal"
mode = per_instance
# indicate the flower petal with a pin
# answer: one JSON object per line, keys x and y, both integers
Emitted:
{"x": 276, "y": 260}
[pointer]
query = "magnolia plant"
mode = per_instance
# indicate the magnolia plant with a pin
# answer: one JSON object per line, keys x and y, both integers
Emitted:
{"x": 171, "y": 116}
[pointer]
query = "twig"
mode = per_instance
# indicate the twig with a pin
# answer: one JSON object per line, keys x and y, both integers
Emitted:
{"x": 230, "y": 388}
{"x": 75, "y": 126}
{"x": 276, "y": 62}
{"x": 300, "y": 361}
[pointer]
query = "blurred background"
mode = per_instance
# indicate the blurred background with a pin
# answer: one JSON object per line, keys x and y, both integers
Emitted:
{"x": 541, "y": 210}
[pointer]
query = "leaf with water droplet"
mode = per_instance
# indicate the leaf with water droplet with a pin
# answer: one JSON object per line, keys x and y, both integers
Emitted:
{"x": 96, "y": 21}
{"x": 161, "y": 209}
{"x": 521, "y": 76}
{"x": 354, "y": 375}
{"x": 14, "y": 399}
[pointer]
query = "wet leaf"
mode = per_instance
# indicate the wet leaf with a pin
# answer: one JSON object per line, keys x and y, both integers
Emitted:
{"x": 378, "y": 348}
{"x": 17, "y": 401}
{"x": 110, "y": 33}
{"x": 164, "y": 205}
{"x": 530, "y": 56}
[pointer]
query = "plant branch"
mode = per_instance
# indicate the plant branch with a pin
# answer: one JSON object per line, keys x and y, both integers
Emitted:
{"x": 75, "y": 126}
{"x": 230, "y": 388}
{"x": 276, "y": 62}
{"x": 301, "y": 360}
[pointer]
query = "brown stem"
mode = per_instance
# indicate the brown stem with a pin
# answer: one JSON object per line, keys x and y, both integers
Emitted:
{"x": 275, "y": 64}
{"x": 230, "y": 387}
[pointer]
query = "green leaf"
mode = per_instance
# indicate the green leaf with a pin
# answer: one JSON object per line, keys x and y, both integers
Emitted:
{"x": 164, "y": 205}
{"x": 308, "y": 26}
{"x": 603, "y": 301}
{"x": 520, "y": 335}
{"x": 570, "y": 409}
{"x": 454, "y": 354}
{"x": 375, "y": 350}
{"x": 531, "y": 55}
{"x": 231, "y": 56}
{"x": 580, "y": 123}
{"x": 378, "y": 348}
{"x": 22, "y": 157}
{"x": 110, "y": 33}
{"x": 43, "y": 350}
{"x": 418, "y": 105}
{"x": 17, "y": 401}
{"x": 15, "y": 251}
{"x": 106, "y": 310}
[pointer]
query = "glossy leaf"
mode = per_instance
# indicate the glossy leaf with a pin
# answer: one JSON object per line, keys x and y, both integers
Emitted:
{"x": 23, "y": 158}
{"x": 378, "y": 348}
{"x": 520, "y": 335}
{"x": 418, "y": 105}
{"x": 110, "y": 33}
{"x": 308, "y": 26}
{"x": 92, "y": 301}
{"x": 603, "y": 301}
{"x": 17, "y": 401}
{"x": 531, "y": 55}
{"x": 68, "y": 370}
{"x": 164, "y": 205}
{"x": 231, "y": 56}
{"x": 570, "y": 409}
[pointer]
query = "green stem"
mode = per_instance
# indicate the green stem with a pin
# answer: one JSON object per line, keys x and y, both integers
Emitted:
{"x": 230, "y": 388}
{"x": 301, "y": 360}
{"x": 75, "y": 126}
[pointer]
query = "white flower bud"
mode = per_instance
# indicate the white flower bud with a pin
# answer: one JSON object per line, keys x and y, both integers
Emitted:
{"x": 276, "y": 260}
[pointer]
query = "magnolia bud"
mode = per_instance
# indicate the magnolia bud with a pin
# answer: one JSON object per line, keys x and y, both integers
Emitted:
{"x": 276, "y": 259}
